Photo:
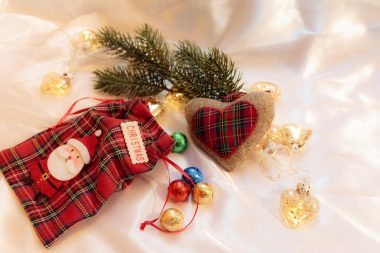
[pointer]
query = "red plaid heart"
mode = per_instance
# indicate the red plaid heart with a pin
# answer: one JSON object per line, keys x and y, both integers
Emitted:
{"x": 224, "y": 130}
{"x": 228, "y": 130}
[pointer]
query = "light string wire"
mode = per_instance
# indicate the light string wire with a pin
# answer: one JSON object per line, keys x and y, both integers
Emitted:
{"x": 284, "y": 170}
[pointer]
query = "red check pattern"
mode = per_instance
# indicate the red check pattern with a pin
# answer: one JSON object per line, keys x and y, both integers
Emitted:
{"x": 223, "y": 131}
{"x": 109, "y": 172}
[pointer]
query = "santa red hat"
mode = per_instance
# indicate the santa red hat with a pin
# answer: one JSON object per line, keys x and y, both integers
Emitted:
{"x": 86, "y": 145}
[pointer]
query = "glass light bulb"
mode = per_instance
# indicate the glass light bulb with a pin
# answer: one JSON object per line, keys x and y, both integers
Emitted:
{"x": 56, "y": 84}
{"x": 298, "y": 206}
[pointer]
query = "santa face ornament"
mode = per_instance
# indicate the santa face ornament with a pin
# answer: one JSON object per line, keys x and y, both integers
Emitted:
{"x": 64, "y": 163}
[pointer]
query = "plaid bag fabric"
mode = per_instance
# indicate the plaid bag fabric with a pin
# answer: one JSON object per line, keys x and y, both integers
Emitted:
{"x": 110, "y": 171}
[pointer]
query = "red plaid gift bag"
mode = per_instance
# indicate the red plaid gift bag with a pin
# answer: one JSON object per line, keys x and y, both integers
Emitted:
{"x": 109, "y": 164}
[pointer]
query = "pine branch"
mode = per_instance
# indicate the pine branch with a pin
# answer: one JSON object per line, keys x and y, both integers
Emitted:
{"x": 155, "y": 50}
{"x": 224, "y": 72}
{"x": 148, "y": 49}
{"x": 115, "y": 41}
{"x": 190, "y": 70}
{"x": 120, "y": 80}
{"x": 209, "y": 74}
{"x": 151, "y": 66}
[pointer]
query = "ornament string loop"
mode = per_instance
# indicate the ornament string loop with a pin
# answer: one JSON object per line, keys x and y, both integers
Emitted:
{"x": 168, "y": 162}
{"x": 70, "y": 112}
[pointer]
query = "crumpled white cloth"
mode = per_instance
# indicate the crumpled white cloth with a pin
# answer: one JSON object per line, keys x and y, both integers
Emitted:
{"x": 324, "y": 55}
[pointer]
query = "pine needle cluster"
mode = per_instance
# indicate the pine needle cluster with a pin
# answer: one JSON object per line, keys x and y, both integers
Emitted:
{"x": 150, "y": 67}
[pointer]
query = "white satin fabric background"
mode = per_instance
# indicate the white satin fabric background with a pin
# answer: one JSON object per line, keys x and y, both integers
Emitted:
{"x": 324, "y": 55}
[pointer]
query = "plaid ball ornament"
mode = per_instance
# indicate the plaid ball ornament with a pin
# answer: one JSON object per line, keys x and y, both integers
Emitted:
{"x": 228, "y": 130}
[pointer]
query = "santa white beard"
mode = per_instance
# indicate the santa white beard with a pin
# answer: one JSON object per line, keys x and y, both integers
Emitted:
{"x": 61, "y": 168}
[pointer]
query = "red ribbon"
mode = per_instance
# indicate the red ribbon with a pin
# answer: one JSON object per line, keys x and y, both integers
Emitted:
{"x": 71, "y": 108}
{"x": 151, "y": 222}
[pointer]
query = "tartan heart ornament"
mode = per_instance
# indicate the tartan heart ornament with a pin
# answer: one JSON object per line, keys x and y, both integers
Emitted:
{"x": 223, "y": 131}
{"x": 227, "y": 131}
